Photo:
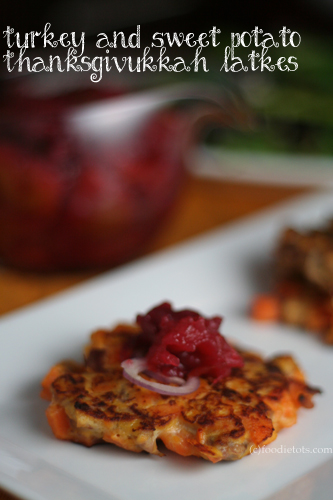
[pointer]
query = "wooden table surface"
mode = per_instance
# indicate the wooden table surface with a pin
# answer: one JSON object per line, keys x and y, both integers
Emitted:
{"x": 202, "y": 205}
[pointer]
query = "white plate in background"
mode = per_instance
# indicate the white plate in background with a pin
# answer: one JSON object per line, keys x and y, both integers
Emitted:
{"x": 216, "y": 274}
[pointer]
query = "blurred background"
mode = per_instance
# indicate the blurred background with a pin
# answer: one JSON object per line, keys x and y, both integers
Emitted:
{"x": 77, "y": 198}
{"x": 294, "y": 109}
{"x": 64, "y": 208}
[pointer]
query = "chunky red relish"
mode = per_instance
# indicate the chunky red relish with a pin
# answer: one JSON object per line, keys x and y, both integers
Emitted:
{"x": 70, "y": 202}
{"x": 184, "y": 343}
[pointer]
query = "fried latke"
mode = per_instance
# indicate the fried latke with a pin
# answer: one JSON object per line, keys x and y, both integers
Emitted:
{"x": 303, "y": 275}
{"x": 226, "y": 420}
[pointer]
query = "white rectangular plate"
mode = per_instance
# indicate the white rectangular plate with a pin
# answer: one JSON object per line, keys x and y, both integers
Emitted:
{"x": 216, "y": 274}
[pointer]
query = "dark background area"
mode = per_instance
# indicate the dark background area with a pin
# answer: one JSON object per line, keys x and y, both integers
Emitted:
{"x": 93, "y": 16}
{"x": 293, "y": 109}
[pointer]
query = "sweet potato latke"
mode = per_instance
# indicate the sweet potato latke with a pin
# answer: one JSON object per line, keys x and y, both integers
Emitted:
{"x": 303, "y": 275}
{"x": 223, "y": 420}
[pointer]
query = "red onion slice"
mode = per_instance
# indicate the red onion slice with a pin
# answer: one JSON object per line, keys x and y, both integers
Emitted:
{"x": 164, "y": 379}
{"x": 132, "y": 368}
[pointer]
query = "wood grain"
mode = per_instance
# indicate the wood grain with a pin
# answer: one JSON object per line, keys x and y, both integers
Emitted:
{"x": 202, "y": 205}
